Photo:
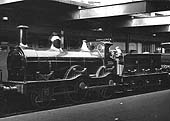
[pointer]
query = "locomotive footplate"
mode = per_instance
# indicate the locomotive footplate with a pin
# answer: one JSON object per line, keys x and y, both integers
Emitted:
{"x": 105, "y": 81}
{"x": 46, "y": 89}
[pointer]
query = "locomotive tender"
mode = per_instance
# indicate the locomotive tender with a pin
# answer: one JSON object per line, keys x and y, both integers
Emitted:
{"x": 165, "y": 56}
{"x": 42, "y": 74}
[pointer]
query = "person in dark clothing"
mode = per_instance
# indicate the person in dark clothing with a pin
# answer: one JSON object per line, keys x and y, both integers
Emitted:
{"x": 56, "y": 42}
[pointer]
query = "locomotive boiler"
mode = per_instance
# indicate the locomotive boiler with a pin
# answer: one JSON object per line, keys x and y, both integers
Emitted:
{"x": 27, "y": 64}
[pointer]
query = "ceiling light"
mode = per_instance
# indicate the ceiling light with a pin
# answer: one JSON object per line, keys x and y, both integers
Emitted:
{"x": 5, "y": 18}
{"x": 100, "y": 29}
{"x": 154, "y": 35}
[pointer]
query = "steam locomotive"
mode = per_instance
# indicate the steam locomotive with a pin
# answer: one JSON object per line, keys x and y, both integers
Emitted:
{"x": 42, "y": 74}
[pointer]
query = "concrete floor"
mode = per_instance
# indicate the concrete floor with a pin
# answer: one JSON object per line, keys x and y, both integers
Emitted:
{"x": 153, "y": 106}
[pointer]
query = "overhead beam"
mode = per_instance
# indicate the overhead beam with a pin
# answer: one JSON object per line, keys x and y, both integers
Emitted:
{"x": 140, "y": 22}
{"x": 153, "y": 21}
{"x": 159, "y": 24}
{"x": 122, "y": 9}
{"x": 9, "y": 1}
{"x": 112, "y": 10}
{"x": 72, "y": 2}
{"x": 144, "y": 30}
{"x": 157, "y": 0}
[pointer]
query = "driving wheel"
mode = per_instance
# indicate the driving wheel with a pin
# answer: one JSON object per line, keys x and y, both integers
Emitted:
{"x": 38, "y": 102}
{"x": 78, "y": 93}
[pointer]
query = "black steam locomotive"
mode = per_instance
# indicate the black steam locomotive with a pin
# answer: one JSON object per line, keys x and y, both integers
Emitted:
{"x": 42, "y": 74}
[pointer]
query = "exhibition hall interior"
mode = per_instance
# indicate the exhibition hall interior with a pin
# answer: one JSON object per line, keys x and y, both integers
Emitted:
{"x": 84, "y": 60}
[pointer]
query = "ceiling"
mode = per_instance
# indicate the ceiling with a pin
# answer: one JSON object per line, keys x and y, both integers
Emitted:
{"x": 45, "y": 16}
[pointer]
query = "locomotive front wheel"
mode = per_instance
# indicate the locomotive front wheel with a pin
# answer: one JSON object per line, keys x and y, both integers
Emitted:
{"x": 79, "y": 92}
{"x": 37, "y": 102}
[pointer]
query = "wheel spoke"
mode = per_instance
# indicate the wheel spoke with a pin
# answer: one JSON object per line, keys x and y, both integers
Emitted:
{"x": 78, "y": 94}
{"x": 106, "y": 93}
{"x": 37, "y": 102}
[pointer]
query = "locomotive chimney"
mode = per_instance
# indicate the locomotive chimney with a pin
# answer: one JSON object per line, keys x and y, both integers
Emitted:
{"x": 23, "y": 35}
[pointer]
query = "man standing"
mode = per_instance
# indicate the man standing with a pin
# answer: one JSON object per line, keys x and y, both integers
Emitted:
{"x": 119, "y": 59}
